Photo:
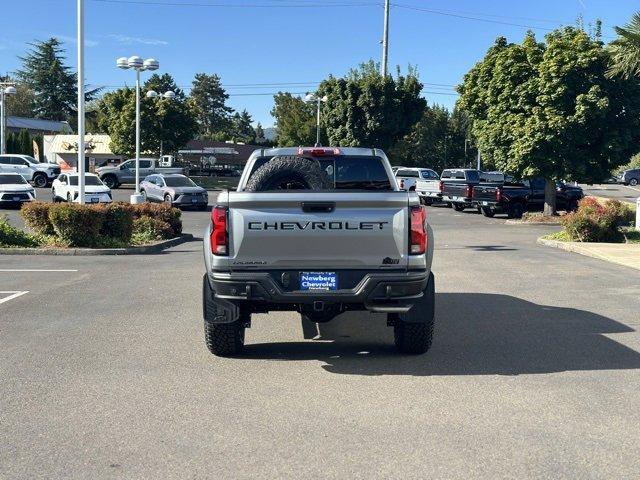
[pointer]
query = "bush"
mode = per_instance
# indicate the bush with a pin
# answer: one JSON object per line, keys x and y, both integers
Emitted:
{"x": 148, "y": 229}
{"x": 14, "y": 237}
{"x": 36, "y": 217}
{"x": 118, "y": 221}
{"x": 597, "y": 222}
{"x": 77, "y": 225}
{"x": 162, "y": 212}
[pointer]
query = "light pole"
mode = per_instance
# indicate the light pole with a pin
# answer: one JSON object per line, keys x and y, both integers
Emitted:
{"x": 168, "y": 95}
{"x": 385, "y": 39}
{"x": 5, "y": 89}
{"x": 310, "y": 97}
{"x": 81, "y": 152}
{"x": 139, "y": 65}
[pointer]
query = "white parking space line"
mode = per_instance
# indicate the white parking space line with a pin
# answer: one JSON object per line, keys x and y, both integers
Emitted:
{"x": 11, "y": 295}
{"x": 4, "y": 270}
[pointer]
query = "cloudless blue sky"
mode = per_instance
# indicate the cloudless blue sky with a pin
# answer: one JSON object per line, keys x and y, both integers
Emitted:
{"x": 288, "y": 41}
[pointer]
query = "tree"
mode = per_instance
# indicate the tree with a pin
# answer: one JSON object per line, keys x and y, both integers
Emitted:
{"x": 295, "y": 121}
{"x": 548, "y": 109}
{"x": 163, "y": 122}
{"x": 53, "y": 84}
{"x": 241, "y": 128}
{"x": 259, "y": 134}
{"x": 208, "y": 101}
{"x": 24, "y": 145}
{"x": 366, "y": 109}
{"x": 20, "y": 104}
{"x": 625, "y": 50}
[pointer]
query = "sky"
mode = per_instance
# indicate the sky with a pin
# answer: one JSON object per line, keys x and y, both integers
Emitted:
{"x": 259, "y": 47}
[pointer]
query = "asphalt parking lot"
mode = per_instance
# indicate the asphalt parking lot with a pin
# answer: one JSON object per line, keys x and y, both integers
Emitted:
{"x": 534, "y": 371}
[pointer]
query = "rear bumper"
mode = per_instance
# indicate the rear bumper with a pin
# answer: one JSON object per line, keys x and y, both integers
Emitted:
{"x": 379, "y": 292}
{"x": 461, "y": 200}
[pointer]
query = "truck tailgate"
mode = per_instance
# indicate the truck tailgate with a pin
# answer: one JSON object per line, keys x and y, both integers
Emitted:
{"x": 319, "y": 231}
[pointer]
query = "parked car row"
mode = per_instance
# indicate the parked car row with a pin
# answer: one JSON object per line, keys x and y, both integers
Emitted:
{"x": 490, "y": 193}
{"x": 40, "y": 174}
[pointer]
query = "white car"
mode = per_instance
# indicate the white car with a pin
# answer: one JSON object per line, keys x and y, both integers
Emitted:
{"x": 15, "y": 189}
{"x": 407, "y": 177}
{"x": 40, "y": 174}
{"x": 65, "y": 188}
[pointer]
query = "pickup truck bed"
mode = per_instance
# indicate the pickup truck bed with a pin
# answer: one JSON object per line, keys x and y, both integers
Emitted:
{"x": 356, "y": 245}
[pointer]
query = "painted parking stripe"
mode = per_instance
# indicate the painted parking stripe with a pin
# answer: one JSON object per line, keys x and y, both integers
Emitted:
{"x": 11, "y": 295}
{"x": 5, "y": 270}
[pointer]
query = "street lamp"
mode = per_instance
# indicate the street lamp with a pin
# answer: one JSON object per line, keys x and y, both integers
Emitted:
{"x": 139, "y": 65}
{"x": 310, "y": 97}
{"x": 9, "y": 90}
{"x": 168, "y": 95}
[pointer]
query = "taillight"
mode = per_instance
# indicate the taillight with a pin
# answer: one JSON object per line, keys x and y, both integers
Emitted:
{"x": 469, "y": 192}
{"x": 418, "y": 233}
{"x": 219, "y": 231}
{"x": 499, "y": 194}
{"x": 441, "y": 186}
{"x": 318, "y": 152}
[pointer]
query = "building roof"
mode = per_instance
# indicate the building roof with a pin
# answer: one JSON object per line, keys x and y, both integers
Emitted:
{"x": 241, "y": 152}
{"x": 96, "y": 144}
{"x": 37, "y": 124}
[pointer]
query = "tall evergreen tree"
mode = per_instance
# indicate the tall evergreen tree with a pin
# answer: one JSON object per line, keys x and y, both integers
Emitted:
{"x": 242, "y": 130}
{"x": 52, "y": 82}
{"x": 45, "y": 72}
{"x": 208, "y": 101}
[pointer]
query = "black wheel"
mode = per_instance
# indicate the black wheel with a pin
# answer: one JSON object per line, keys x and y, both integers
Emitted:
{"x": 54, "y": 198}
{"x": 572, "y": 205}
{"x": 144, "y": 195}
{"x": 488, "y": 212}
{"x": 289, "y": 173}
{"x": 633, "y": 182}
{"x": 224, "y": 339}
{"x": 110, "y": 181}
{"x": 69, "y": 197}
{"x": 458, "y": 207}
{"x": 516, "y": 210}
{"x": 413, "y": 331}
{"x": 40, "y": 180}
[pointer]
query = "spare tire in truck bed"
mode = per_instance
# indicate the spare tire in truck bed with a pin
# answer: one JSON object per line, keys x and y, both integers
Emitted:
{"x": 289, "y": 172}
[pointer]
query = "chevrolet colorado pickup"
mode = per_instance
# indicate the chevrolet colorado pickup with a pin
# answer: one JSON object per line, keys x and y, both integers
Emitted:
{"x": 319, "y": 231}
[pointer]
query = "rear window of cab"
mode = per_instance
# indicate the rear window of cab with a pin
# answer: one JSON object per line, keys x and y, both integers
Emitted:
{"x": 348, "y": 172}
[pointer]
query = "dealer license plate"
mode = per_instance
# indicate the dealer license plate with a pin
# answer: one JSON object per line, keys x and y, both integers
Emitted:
{"x": 318, "y": 281}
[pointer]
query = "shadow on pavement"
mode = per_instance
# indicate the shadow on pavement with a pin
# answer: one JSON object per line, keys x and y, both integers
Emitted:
{"x": 476, "y": 334}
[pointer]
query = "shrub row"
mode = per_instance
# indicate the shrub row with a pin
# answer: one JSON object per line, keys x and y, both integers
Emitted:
{"x": 14, "y": 237}
{"x": 597, "y": 222}
{"x": 114, "y": 224}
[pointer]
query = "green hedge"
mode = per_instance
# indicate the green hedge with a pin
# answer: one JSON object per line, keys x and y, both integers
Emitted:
{"x": 110, "y": 225}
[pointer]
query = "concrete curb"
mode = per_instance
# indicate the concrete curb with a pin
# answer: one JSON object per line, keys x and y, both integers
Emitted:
{"x": 594, "y": 250}
{"x": 537, "y": 224}
{"x": 142, "y": 250}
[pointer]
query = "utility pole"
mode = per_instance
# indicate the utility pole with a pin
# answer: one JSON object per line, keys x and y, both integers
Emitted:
{"x": 479, "y": 160}
{"x": 385, "y": 39}
{"x": 6, "y": 88}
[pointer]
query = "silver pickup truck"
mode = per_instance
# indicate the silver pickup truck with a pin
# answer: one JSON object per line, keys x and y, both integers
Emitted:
{"x": 114, "y": 176}
{"x": 319, "y": 231}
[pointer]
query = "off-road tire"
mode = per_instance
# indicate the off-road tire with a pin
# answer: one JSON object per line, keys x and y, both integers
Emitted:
{"x": 488, "y": 212}
{"x": 224, "y": 339}
{"x": 413, "y": 331}
{"x": 516, "y": 210}
{"x": 457, "y": 207}
{"x": 299, "y": 172}
{"x": 40, "y": 180}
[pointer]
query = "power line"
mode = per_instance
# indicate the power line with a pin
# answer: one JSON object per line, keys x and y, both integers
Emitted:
{"x": 290, "y": 4}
